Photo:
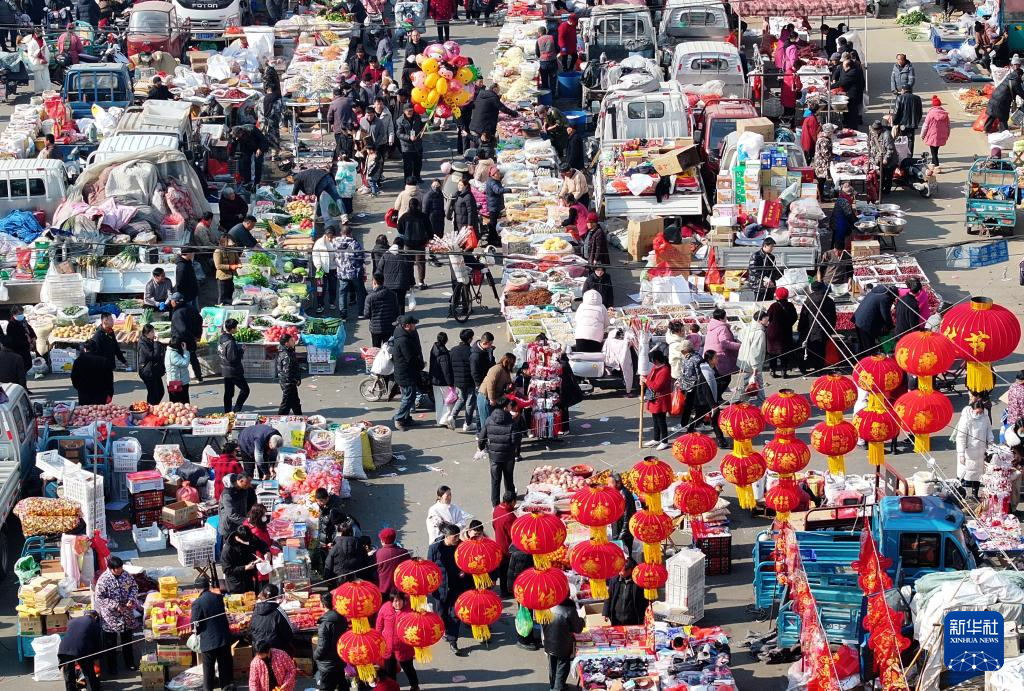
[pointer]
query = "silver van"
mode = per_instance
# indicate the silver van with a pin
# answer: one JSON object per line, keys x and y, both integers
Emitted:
{"x": 30, "y": 184}
{"x": 690, "y": 20}
{"x": 619, "y": 31}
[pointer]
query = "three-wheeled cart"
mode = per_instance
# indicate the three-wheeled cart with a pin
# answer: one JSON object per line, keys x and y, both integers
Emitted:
{"x": 991, "y": 197}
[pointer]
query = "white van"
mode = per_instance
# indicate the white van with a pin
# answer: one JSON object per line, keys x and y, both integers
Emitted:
{"x": 691, "y": 20}
{"x": 118, "y": 144}
{"x": 207, "y": 19}
{"x": 31, "y": 184}
{"x": 695, "y": 63}
{"x": 18, "y": 441}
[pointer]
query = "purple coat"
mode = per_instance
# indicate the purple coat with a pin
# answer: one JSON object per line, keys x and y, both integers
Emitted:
{"x": 721, "y": 340}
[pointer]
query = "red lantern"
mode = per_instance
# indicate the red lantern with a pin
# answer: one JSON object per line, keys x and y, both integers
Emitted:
{"x": 834, "y": 441}
{"x": 783, "y": 498}
{"x": 365, "y": 651}
{"x": 598, "y": 562}
{"x": 925, "y": 354}
{"x": 540, "y": 590}
{"x": 652, "y": 476}
{"x": 357, "y": 601}
{"x": 479, "y": 609}
{"x": 420, "y": 630}
{"x": 877, "y": 374}
{"x": 875, "y": 427}
{"x": 786, "y": 455}
{"x": 923, "y": 413}
{"x": 833, "y": 393}
{"x": 695, "y": 498}
{"x": 744, "y": 472}
{"x": 596, "y": 506}
{"x": 741, "y": 422}
{"x": 650, "y": 577}
{"x": 694, "y": 450}
{"x": 417, "y": 578}
{"x": 982, "y": 333}
{"x": 478, "y": 557}
{"x": 538, "y": 534}
{"x": 786, "y": 409}
{"x": 651, "y": 529}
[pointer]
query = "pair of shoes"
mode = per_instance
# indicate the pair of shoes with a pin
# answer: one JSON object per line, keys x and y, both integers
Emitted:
{"x": 401, "y": 426}
{"x": 422, "y": 286}
{"x": 662, "y": 446}
{"x": 650, "y": 444}
{"x": 451, "y": 424}
{"x": 466, "y": 427}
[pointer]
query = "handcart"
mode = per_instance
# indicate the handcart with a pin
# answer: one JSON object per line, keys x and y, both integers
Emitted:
{"x": 991, "y": 197}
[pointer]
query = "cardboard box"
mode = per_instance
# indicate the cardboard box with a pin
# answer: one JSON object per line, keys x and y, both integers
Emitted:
{"x": 640, "y": 236}
{"x": 51, "y": 567}
{"x": 180, "y": 513}
{"x": 241, "y": 658}
{"x": 864, "y": 248}
{"x": 592, "y": 616}
{"x": 155, "y": 678}
{"x": 677, "y": 160}
{"x": 31, "y": 624}
{"x": 71, "y": 449}
{"x": 763, "y": 126}
{"x": 677, "y": 257}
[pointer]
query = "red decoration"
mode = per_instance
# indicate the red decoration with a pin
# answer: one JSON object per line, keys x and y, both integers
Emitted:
{"x": 924, "y": 354}
{"x": 417, "y": 578}
{"x": 923, "y": 413}
{"x": 786, "y": 409}
{"x": 982, "y": 333}
{"x": 598, "y": 562}
{"x": 695, "y": 499}
{"x": 651, "y": 529}
{"x": 479, "y": 609}
{"x": 833, "y": 393}
{"x": 786, "y": 455}
{"x": 783, "y": 498}
{"x": 650, "y": 577}
{"x": 741, "y": 422}
{"x": 478, "y": 557}
{"x": 652, "y": 476}
{"x": 876, "y": 427}
{"x": 357, "y": 601}
{"x": 597, "y": 506}
{"x": 363, "y": 650}
{"x": 744, "y": 472}
{"x": 538, "y": 534}
{"x": 540, "y": 590}
{"x": 883, "y": 624}
{"x": 420, "y": 630}
{"x": 834, "y": 440}
{"x": 877, "y": 374}
{"x": 694, "y": 450}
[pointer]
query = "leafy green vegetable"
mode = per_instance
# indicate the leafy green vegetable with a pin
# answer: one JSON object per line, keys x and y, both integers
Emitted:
{"x": 260, "y": 259}
{"x": 246, "y": 335}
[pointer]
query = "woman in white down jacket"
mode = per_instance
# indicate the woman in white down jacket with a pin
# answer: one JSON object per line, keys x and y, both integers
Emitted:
{"x": 973, "y": 435}
{"x": 591, "y": 323}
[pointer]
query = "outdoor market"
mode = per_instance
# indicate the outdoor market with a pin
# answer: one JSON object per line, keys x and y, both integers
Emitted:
{"x": 418, "y": 344}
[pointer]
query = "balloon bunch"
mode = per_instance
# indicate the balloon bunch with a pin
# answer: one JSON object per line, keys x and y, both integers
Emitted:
{"x": 446, "y": 82}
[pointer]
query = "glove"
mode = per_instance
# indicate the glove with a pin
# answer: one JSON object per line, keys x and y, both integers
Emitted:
{"x": 162, "y": 306}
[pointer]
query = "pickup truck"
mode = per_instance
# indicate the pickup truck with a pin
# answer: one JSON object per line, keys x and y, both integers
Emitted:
{"x": 18, "y": 440}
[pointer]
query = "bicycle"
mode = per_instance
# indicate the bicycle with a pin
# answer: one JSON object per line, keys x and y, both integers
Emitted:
{"x": 375, "y": 387}
{"x": 467, "y": 286}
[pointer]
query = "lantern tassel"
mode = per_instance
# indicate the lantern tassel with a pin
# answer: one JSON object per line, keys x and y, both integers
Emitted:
{"x": 542, "y": 562}
{"x": 599, "y": 588}
{"x": 481, "y": 633}
{"x": 367, "y": 673}
{"x": 650, "y": 594}
{"x": 482, "y": 581}
{"x": 924, "y": 383}
{"x": 360, "y": 625}
{"x": 423, "y": 654}
{"x": 653, "y": 500}
{"x": 652, "y": 552}
{"x": 543, "y": 616}
{"x": 599, "y": 534}
{"x": 418, "y": 603}
{"x": 979, "y": 376}
{"x": 837, "y": 465}
{"x": 745, "y": 493}
{"x": 922, "y": 443}
{"x": 834, "y": 417}
{"x": 741, "y": 448}
{"x": 876, "y": 453}
{"x": 782, "y": 517}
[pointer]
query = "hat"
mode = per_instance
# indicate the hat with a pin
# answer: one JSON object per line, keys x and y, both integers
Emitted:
{"x": 387, "y": 536}
{"x": 1015, "y": 60}
{"x": 592, "y": 217}
{"x": 177, "y": 297}
{"x": 459, "y": 167}
{"x": 781, "y": 293}
{"x": 936, "y": 102}
{"x": 407, "y": 319}
{"x": 492, "y": 171}
{"x": 392, "y": 88}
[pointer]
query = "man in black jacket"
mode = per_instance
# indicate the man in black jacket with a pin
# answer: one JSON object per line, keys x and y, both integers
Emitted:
{"x": 559, "y": 643}
{"x": 414, "y": 227}
{"x": 625, "y": 605}
{"x": 908, "y": 310}
{"x": 408, "y": 358}
{"x": 289, "y": 375}
{"x": 12, "y": 367}
{"x": 873, "y": 319}
{"x": 185, "y": 277}
{"x": 347, "y": 560}
{"x": 330, "y": 670}
{"x": 235, "y": 501}
{"x": 396, "y": 268}
{"x": 82, "y": 643}
{"x": 231, "y": 367}
{"x": 381, "y": 308}
{"x": 620, "y": 528}
{"x": 410, "y": 140}
{"x": 316, "y": 181}
{"x": 92, "y": 377}
{"x": 106, "y": 342}
{"x": 187, "y": 325}
{"x": 331, "y": 512}
{"x": 762, "y": 272}
{"x": 461, "y": 356}
{"x": 816, "y": 326}
{"x": 481, "y": 359}
{"x": 454, "y": 581}
{"x": 269, "y": 623}
{"x": 907, "y": 116}
{"x": 211, "y": 624}
{"x": 486, "y": 108}
{"x": 498, "y": 437}
{"x": 574, "y": 155}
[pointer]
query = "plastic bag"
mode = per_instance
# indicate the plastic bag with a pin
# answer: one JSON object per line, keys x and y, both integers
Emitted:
{"x": 410, "y": 302}
{"x": 979, "y": 122}
{"x": 349, "y": 442}
{"x": 678, "y": 400}
{"x": 524, "y": 622}
{"x": 451, "y": 396}
{"x": 750, "y": 143}
{"x": 26, "y": 569}
{"x": 46, "y": 666}
{"x": 383, "y": 365}
{"x": 105, "y": 122}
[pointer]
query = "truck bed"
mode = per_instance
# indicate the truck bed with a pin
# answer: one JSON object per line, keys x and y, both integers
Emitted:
{"x": 10, "y": 488}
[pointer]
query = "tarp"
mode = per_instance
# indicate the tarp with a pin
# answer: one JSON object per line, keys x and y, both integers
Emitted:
{"x": 803, "y": 8}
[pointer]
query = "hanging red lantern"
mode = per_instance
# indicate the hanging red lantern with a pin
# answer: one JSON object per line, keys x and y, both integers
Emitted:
{"x": 877, "y": 374}
{"x": 420, "y": 630}
{"x": 741, "y": 422}
{"x": 786, "y": 410}
{"x": 651, "y": 529}
{"x": 695, "y": 499}
{"x": 540, "y": 590}
{"x": 479, "y": 557}
{"x": 694, "y": 450}
{"x": 923, "y": 413}
{"x": 783, "y": 498}
{"x": 833, "y": 393}
{"x": 598, "y": 562}
{"x": 652, "y": 476}
{"x": 417, "y": 578}
{"x": 876, "y": 427}
{"x": 924, "y": 354}
{"x": 538, "y": 534}
{"x": 365, "y": 651}
{"x": 650, "y": 577}
{"x": 357, "y": 601}
{"x": 982, "y": 333}
{"x": 744, "y": 472}
{"x": 479, "y": 609}
{"x": 786, "y": 455}
{"x": 596, "y": 506}
{"x": 834, "y": 440}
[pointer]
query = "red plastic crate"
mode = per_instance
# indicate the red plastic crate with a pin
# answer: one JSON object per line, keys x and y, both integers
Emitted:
{"x": 150, "y": 499}
{"x": 717, "y": 546}
{"x": 145, "y": 517}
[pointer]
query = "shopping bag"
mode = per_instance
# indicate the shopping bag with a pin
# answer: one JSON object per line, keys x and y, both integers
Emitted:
{"x": 678, "y": 399}
{"x": 979, "y": 122}
{"x": 383, "y": 365}
{"x": 524, "y": 622}
{"x": 451, "y": 396}
{"x": 903, "y": 148}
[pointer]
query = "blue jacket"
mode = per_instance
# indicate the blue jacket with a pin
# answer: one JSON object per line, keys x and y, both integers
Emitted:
{"x": 495, "y": 198}
{"x": 874, "y": 314}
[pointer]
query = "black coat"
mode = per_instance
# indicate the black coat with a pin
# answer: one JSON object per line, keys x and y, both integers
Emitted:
{"x": 874, "y": 313}
{"x": 480, "y": 361}
{"x": 603, "y": 285}
{"x": 151, "y": 358}
{"x": 634, "y": 601}
{"x": 852, "y": 82}
{"x": 570, "y": 392}
{"x": 558, "y": 635}
{"x": 781, "y": 320}
{"x": 408, "y": 357}
{"x": 93, "y": 379}
{"x": 486, "y": 108}
{"x": 329, "y": 514}
{"x": 347, "y": 561}
{"x": 440, "y": 370}
{"x": 908, "y": 112}
{"x": 461, "y": 371}
{"x": 235, "y": 503}
{"x": 208, "y": 613}
{"x": 305, "y": 181}
{"x": 230, "y": 356}
{"x": 12, "y": 368}
{"x": 498, "y": 435}
{"x": 620, "y": 528}
{"x": 433, "y": 207}
{"x": 18, "y": 340}
{"x": 185, "y": 281}
{"x": 233, "y": 559}
{"x": 289, "y": 373}
{"x": 106, "y": 345}
{"x": 518, "y": 561}
{"x": 415, "y": 227}
{"x": 1003, "y": 96}
{"x": 84, "y": 637}
{"x": 817, "y": 318}
{"x": 453, "y": 581}
{"x": 186, "y": 324}
{"x": 466, "y": 211}
{"x": 762, "y": 266}
{"x": 397, "y": 270}
{"x": 381, "y": 309}
{"x": 328, "y": 630}
{"x": 574, "y": 156}
{"x": 232, "y": 211}
{"x": 908, "y": 315}
{"x": 269, "y": 624}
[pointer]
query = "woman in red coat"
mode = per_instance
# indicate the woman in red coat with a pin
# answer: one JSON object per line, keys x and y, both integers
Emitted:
{"x": 398, "y": 653}
{"x": 567, "y": 44}
{"x": 658, "y": 394}
{"x": 442, "y": 12}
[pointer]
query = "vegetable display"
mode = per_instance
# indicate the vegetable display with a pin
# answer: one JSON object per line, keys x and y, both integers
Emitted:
{"x": 72, "y": 333}
{"x": 322, "y": 327}
{"x": 126, "y": 260}
{"x": 260, "y": 259}
{"x": 274, "y": 333}
{"x": 248, "y": 335}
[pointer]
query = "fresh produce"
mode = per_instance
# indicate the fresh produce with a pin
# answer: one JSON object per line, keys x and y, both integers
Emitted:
{"x": 261, "y": 322}
{"x": 128, "y": 337}
{"x": 43, "y": 516}
{"x": 537, "y": 296}
{"x": 126, "y": 260}
{"x": 174, "y": 413}
{"x": 322, "y": 327}
{"x": 563, "y": 478}
{"x": 169, "y": 455}
{"x": 72, "y": 333}
{"x": 274, "y": 333}
{"x": 248, "y": 335}
{"x": 290, "y": 318}
{"x": 261, "y": 259}
{"x": 911, "y": 18}
{"x": 554, "y": 245}
{"x": 85, "y": 414}
{"x": 139, "y": 407}
{"x": 130, "y": 304}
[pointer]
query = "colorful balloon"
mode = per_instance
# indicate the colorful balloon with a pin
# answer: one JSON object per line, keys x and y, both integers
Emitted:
{"x": 451, "y": 49}
{"x": 460, "y": 62}
{"x": 445, "y": 71}
{"x": 418, "y": 107}
{"x": 456, "y": 112}
{"x": 443, "y": 110}
{"x": 434, "y": 50}
{"x": 417, "y": 94}
{"x": 420, "y": 59}
{"x": 441, "y": 86}
{"x": 454, "y": 86}
{"x": 464, "y": 75}
{"x": 418, "y": 78}
{"x": 429, "y": 66}
{"x": 461, "y": 98}
{"x": 431, "y": 99}
{"x": 430, "y": 81}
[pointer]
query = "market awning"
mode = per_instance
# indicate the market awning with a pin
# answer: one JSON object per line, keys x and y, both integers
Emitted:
{"x": 805, "y": 8}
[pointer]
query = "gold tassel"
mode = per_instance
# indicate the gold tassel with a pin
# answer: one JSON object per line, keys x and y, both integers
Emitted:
{"x": 837, "y": 465}
{"x": 361, "y": 625}
{"x": 367, "y": 673}
{"x": 482, "y": 580}
{"x": 423, "y": 654}
{"x": 922, "y": 443}
{"x": 782, "y": 516}
{"x": 650, "y": 594}
{"x": 745, "y": 493}
{"x": 543, "y": 616}
{"x": 653, "y": 501}
{"x": 652, "y": 552}
{"x": 979, "y": 376}
{"x": 876, "y": 452}
{"x": 542, "y": 562}
{"x": 599, "y": 534}
{"x": 924, "y": 383}
{"x": 599, "y": 588}
{"x": 481, "y": 633}
{"x": 741, "y": 448}
{"x": 833, "y": 417}
{"x": 418, "y": 602}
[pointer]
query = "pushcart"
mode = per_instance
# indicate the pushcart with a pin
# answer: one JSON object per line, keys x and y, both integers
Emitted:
{"x": 991, "y": 197}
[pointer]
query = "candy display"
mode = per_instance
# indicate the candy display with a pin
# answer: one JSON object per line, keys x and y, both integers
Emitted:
{"x": 41, "y": 516}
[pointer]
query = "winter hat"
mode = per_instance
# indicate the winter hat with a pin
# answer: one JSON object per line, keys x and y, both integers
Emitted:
{"x": 936, "y": 102}
{"x": 592, "y": 217}
{"x": 781, "y": 293}
{"x": 387, "y": 536}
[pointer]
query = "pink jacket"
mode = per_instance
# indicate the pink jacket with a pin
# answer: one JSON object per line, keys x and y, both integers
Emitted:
{"x": 284, "y": 672}
{"x": 922, "y": 303}
{"x": 721, "y": 340}
{"x": 935, "y": 131}
{"x": 387, "y": 626}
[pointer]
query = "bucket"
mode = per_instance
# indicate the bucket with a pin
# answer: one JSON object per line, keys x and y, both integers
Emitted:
{"x": 577, "y": 118}
{"x": 924, "y": 483}
{"x": 569, "y": 85}
{"x": 544, "y": 97}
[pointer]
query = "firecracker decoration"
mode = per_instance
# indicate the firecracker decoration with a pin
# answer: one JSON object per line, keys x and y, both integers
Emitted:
{"x": 876, "y": 424}
{"x": 365, "y": 651}
{"x": 597, "y": 506}
{"x": 652, "y": 528}
{"x": 834, "y": 394}
{"x": 883, "y": 624}
{"x": 357, "y": 601}
{"x": 538, "y": 534}
{"x": 923, "y": 413}
{"x": 650, "y": 577}
{"x": 417, "y": 578}
{"x": 981, "y": 332}
{"x": 479, "y": 557}
{"x": 743, "y": 473}
{"x": 420, "y": 630}
{"x": 478, "y": 609}
{"x": 540, "y": 590}
{"x": 925, "y": 354}
{"x": 598, "y": 562}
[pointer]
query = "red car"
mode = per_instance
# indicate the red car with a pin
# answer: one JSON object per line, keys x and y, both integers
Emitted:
{"x": 154, "y": 25}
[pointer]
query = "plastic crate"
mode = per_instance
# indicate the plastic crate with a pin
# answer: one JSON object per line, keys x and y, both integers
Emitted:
{"x": 149, "y": 499}
{"x": 144, "y": 517}
{"x": 149, "y": 539}
{"x": 144, "y": 480}
{"x": 261, "y": 370}
{"x": 718, "y": 566}
{"x": 318, "y": 355}
{"x": 323, "y": 367}
{"x": 83, "y": 487}
{"x": 717, "y": 546}
{"x": 131, "y": 357}
{"x": 257, "y": 352}
{"x": 119, "y": 487}
{"x": 126, "y": 452}
{"x": 195, "y": 547}
{"x": 268, "y": 499}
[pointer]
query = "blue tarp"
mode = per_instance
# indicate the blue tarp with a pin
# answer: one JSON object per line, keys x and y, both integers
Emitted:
{"x": 22, "y": 225}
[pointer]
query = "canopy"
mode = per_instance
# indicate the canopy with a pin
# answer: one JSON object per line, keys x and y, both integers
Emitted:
{"x": 801, "y": 8}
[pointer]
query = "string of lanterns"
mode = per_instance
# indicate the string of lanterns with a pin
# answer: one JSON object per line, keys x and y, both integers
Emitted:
{"x": 361, "y": 646}
{"x": 479, "y": 607}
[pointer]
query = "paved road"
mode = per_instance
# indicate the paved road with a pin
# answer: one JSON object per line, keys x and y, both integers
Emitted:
{"x": 607, "y": 431}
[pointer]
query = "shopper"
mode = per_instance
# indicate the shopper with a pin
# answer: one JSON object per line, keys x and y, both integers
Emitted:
{"x": 81, "y": 644}
{"x": 547, "y": 51}
{"x": 251, "y": 145}
{"x": 349, "y": 260}
{"x": 414, "y": 227}
{"x": 396, "y": 267}
{"x": 187, "y": 326}
{"x": 442, "y": 379}
{"x": 444, "y": 511}
{"x": 495, "y": 192}
{"x": 116, "y": 598}
{"x": 625, "y": 605}
{"x": 258, "y": 447}
{"x": 502, "y": 518}
{"x": 347, "y": 559}
{"x": 882, "y": 150}
{"x": 462, "y": 380}
{"x": 753, "y": 356}
{"x": 486, "y": 107}
{"x": 21, "y": 338}
{"x": 499, "y": 436}
{"x": 232, "y": 368}
{"x": 481, "y": 360}
{"x": 907, "y": 116}
{"x": 560, "y": 642}
{"x": 407, "y": 354}
{"x": 763, "y": 270}
{"x": 816, "y": 327}
{"x": 591, "y": 323}
{"x": 210, "y": 621}
{"x": 466, "y": 213}
{"x": 399, "y": 653}
{"x": 567, "y": 43}
{"x": 236, "y": 500}
{"x": 226, "y": 261}
{"x": 902, "y": 76}
{"x": 92, "y": 377}
{"x": 176, "y": 365}
{"x": 223, "y": 465}
{"x": 720, "y": 338}
{"x": 710, "y": 396}
{"x": 873, "y": 319}
{"x": 598, "y": 279}
{"x": 658, "y": 395}
{"x": 935, "y": 131}
{"x": 688, "y": 381}
{"x": 973, "y": 435}
{"x": 330, "y": 669}
{"x": 238, "y": 561}
{"x": 434, "y": 207}
{"x": 232, "y": 207}
{"x": 410, "y": 140}
{"x": 271, "y": 670}
{"x": 454, "y": 582}
{"x": 331, "y": 513}
{"x": 495, "y": 386}
{"x": 382, "y": 309}
{"x": 185, "y": 276}
{"x": 325, "y": 268}
{"x": 782, "y": 318}
{"x": 810, "y": 128}
{"x": 387, "y": 557}
{"x": 289, "y": 374}
{"x": 12, "y": 367}
{"x": 518, "y": 562}
{"x": 908, "y": 315}
{"x": 270, "y": 624}
{"x": 595, "y": 242}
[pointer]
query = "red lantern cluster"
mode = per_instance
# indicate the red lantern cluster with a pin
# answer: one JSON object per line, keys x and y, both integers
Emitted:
{"x": 743, "y": 467}
{"x": 542, "y": 587}
{"x": 652, "y": 526}
{"x": 876, "y": 424}
{"x": 361, "y": 647}
{"x": 694, "y": 450}
{"x": 834, "y": 437}
{"x": 420, "y": 630}
{"x": 982, "y": 333}
{"x": 597, "y": 506}
{"x": 785, "y": 455}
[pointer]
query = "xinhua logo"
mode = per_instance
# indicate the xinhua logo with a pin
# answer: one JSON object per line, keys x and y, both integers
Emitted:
{"x": 973, "y": 641}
